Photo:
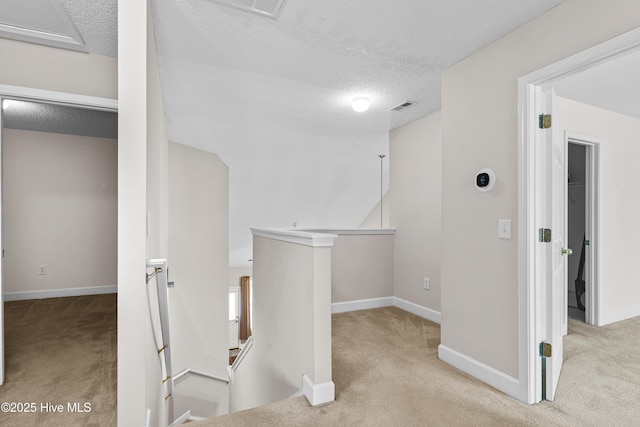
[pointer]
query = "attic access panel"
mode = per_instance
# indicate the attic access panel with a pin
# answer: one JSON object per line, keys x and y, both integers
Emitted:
{"x": 262, "y": 7}
{"x": 39, "y": 21}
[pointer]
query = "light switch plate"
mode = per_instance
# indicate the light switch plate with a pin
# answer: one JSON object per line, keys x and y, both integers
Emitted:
{"x": 504, "y": 228}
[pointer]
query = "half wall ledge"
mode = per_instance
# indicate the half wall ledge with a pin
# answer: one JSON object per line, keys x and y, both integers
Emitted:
{"x": 307, "y": 238}
{"x": 353, "y": 231}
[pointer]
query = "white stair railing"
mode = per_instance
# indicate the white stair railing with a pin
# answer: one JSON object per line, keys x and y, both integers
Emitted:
{"x": 160, "y": 272}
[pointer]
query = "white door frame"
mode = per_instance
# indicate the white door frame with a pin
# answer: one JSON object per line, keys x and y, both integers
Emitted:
{"x": 592, "y": 214}
{"x": 50, "y": 97}
{"x": 530, "y": 284}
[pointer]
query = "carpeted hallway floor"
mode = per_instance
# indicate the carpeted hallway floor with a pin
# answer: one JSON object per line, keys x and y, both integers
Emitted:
{"x": 387, "y": 373}
{"x": 385, "y": 367}
{"x": 61, "y": 351}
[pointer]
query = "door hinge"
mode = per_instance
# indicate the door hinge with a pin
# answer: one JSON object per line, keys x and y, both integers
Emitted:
{"x": 544, "y": 235}
{"x": 545, "y": 349}
{"x": 544, "y": 121}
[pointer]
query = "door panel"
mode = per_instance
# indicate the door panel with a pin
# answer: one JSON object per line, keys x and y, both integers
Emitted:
{"x": 557, "y": 257}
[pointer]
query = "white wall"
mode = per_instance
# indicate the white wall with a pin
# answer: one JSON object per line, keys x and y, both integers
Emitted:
{"x": 199, "y": 266}
{"x": 235, "y": 273}
{"x": 373, "y": 219}
{"x": 137, "y": 381}
{"x": 479, "y": 301}
{"x": 292, "y": 323}
{"x": 61, "y": 70}
{"x": 157, "y": 206}
{"x": 361, "y": 266}
{"x": 415, "y": 199}
{"x": 619, "y": 205}
{"x": 60, "y": 210}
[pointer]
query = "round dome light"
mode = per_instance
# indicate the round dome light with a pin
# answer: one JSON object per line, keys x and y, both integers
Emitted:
{"x": 360, "y": 104}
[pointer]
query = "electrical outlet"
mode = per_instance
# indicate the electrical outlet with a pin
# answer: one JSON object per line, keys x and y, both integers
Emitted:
{"x": 426, "y": 283}
{"x": 42, "y": 270}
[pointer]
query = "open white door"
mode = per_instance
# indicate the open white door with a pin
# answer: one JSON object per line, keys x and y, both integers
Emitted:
{"x": 553, "y": 180}
{"x": 234, "y": 317}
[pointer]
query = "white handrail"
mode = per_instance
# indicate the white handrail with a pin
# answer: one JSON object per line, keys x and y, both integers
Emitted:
{"x": 162, "y": 288}
{"x": 243, "y": 353}
{"x": 164, "y": 352}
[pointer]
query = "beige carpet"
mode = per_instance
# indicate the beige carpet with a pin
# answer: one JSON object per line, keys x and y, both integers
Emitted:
{"x": 61, "y": 351}
{"x": 387, "y": 373}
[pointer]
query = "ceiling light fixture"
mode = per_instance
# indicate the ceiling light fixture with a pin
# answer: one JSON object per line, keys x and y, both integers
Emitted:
{"x": 360, "y": 104}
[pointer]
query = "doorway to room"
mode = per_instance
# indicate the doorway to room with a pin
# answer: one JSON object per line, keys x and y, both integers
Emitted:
{"x": 59, "y": 194}
{"x": 576, "y": 217}
{"x": 542, "y": 205}
{"x": 240, "y": 317}
{"x": 582, "y": 197}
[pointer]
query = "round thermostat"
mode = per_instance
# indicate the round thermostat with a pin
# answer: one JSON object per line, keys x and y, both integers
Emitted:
{"x": 485, "y": 180}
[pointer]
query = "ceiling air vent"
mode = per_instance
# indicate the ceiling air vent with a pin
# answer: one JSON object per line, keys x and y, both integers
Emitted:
{"x": 262, "y": 7}
{"x": 404, "y": 105}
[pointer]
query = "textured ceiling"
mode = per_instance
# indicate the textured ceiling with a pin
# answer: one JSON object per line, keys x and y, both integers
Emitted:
{"x": 59, "y": 119}
{"x": 614, "y": 85}
{"x": 97, "y": 23}
{"x": 272, "y": 96}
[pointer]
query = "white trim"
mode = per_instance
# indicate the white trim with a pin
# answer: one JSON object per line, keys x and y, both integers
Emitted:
{"x": 318, "y": 394}
{"x": 418, "y": 310}
{"x": 53, "y": 97}
{"x": 608, "y": 50}
{"x": 60, "y": 293}
{"x": 298, "y": 237}
{"x": 361, "y": 304}
{"x": 180, "y": 420}
{"x": 366, "y": 304}
{"x": 353, "y": 231}
{"x": 241, "y": 355}
{"x": 496, "y": 379}
{"x": 42, "y": 38}
{"x": 190, "y": 371}
{"x": 529, "y": 318}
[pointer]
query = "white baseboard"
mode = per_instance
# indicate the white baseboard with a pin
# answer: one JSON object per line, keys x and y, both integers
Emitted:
{"x": 318, "y": 394}
{"x": 496, "y": 379}
{"x": 365, "y": 304}
{"x": 416, "y": 309}
{"x": 59, "y": 293}
{"x": 361, "y": 304}
{"x": 618, "y": 316}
